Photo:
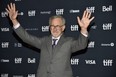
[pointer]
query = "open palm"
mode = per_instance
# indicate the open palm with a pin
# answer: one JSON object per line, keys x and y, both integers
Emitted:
{"x": 85, "y": 21}
{"x": 11, "y": 9}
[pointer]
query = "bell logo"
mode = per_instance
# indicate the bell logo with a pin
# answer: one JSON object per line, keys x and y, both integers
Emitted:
{"x": 107, "y": 9}
{"x": 31, "y": 60}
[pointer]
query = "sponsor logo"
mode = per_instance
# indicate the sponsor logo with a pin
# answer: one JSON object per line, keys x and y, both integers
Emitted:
{"x": 108, "y": 45}
{"x": 17, "y": 45}
{"x": 90, "y": 61}
{"x": 74, "y": 11}
{"x": 31, "y": 60}
{"x": 4, "y": 60}
{"x": 45, "y": 28}
{"x": 45, "y": 12}
{"x": 94, "y": 27}
{"x": 31, "y": 29}
{"x": 21, "y": 13}
{"x": 107, "y": 8}
{"x": 4, "y": 29}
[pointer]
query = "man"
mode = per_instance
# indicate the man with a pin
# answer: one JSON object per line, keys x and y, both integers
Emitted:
{"x": 54, "y": 55}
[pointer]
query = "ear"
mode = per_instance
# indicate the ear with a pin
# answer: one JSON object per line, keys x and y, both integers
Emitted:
{"x": 63, "y": 28}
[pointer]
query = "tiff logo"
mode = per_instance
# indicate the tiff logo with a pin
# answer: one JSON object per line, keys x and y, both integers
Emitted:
{"x": 31, "y": 75}
{"x": 4, "y": 75}
{"x": 107, "y": 62}
{"x": 31, "y": 60}
{"x": 90, "y": 61}
{"x": 107, "y": 9}
{"x": 91, "y": 44}
{"x": 59, "y": 11}
{"x": 18, "y": 60}
{"x": 91, "y": 9}
{"x": 107, "y": 26}
{"x": 31, "y": 13}
{"x": 74, "y": 27}
{"x": 4, "y": 29}
{"x": 5, "y": 44}
{"x": 74, "y": 61}
{"x": 45, "y": 28}
{"x": 4, "y": 14}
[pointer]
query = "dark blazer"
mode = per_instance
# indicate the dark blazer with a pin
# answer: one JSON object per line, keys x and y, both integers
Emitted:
{"x": 54, "y": 63}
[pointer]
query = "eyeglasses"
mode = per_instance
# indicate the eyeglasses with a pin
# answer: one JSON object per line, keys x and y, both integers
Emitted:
{"x": 56, "y": 26}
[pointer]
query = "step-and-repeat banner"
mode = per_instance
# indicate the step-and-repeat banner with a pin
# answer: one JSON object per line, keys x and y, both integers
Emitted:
{"x": 18, "y": 59}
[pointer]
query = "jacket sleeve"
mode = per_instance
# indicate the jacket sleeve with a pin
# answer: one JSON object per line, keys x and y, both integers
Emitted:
{"x": 27, "y": 38}
{"x": 80, "y": 43}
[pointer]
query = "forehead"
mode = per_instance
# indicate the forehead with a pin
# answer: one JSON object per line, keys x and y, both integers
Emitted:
{"x": 56, "y": 21}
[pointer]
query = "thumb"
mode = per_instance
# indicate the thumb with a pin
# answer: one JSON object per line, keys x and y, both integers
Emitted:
{"x": 78, "y": 19}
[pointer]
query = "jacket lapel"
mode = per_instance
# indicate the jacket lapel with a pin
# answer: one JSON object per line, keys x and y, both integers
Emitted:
{"x": 49, "y": 44}
{"x": 59, "y": 45}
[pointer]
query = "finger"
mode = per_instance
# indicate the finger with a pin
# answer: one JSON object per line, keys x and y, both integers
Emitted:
{"x": 17, "y": 12}
{"x": 78, "y": 19}
{"x": 86, "y": 14}
{"x": 11, "y": 5}
{"x": 7, "y": 10}
{"x": 8, "y": 7}
{"x": 89, "y": 15}
{"x": 14, "y": 8}
{"x": 92, "y": 19}
{"x": 83, "y": 14}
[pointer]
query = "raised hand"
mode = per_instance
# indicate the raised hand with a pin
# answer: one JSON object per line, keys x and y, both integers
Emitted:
{"x": 11, "y": 9}
{"x": 85, "y": 21}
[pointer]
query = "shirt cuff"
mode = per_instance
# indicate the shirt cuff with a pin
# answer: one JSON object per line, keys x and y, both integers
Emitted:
{"x": 16, "y": 26}
{"x": 86, "y": 35}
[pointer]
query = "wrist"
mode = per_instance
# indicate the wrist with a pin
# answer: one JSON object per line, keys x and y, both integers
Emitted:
{"x": 15, "y": 22}
{"x": 84, "y": 31}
